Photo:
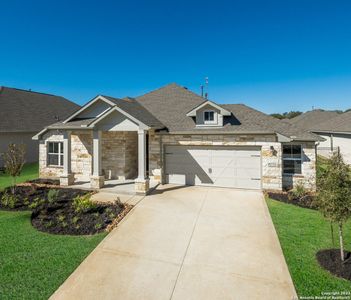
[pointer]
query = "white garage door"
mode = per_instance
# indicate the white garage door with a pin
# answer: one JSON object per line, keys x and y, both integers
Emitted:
{"x": 237, "y": 167}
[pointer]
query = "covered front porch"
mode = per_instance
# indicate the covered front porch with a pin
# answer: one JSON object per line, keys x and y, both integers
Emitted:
{"x": 116, "y": 186}
{"x": 118, "y": 161}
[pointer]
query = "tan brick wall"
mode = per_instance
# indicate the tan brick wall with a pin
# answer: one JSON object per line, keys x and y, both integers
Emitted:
{"x": 271, "y": 153}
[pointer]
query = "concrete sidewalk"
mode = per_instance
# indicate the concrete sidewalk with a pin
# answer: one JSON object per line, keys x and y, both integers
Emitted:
{"x": 187, "y": 243}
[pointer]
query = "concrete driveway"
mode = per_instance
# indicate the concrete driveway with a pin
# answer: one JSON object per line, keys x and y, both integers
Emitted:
{"x": 187, "y": 243}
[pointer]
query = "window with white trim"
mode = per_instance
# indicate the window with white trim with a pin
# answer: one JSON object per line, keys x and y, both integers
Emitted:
{"x": 292, "y": 159}
{"x": 209, "y": 116}
{"x": 55, "y": 154}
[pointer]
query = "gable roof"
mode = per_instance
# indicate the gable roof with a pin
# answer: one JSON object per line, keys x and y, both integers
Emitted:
{"x": 310, "y": 119}
{"x": 135, "y": 109}
{"x": 27, "y": 111}
{"x": 341, "y": 124}
{"x": 167, "y": 108}
{"x": 170, "y": 105}
{"x": 222, "y": 110}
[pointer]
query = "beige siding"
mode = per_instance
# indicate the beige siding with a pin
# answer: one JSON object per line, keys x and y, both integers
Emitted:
{"x": 32, "y": 147}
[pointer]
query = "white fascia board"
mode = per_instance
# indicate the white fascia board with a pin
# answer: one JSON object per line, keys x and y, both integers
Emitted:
{"x": 91, "y": 102}
{"x": 223, "y": 111}
{"x": 330, "y": 132}
{"x": 116, "y": 108}
{"x": 283, "y": 138}
{"x": 38, "y": 135}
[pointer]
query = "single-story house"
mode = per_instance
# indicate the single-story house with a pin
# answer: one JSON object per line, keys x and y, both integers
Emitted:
{"x": 173, "y": 135}
{"x": 337, "y": 135}
{"x": 23, "y": 113}
{"x": 334, "y": 129}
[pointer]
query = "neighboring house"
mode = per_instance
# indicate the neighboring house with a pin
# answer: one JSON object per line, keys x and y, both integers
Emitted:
{"x": 310, "y": 119}
{"x": 334, "y": 129}
{"x": 337, "y": 135}
{"x": 24, "y": 113}
{"x": 175, "y": 136}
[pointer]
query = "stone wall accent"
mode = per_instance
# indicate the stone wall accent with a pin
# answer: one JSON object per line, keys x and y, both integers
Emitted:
{"x": 81, "y": 155}
{"x": 271, "y": 153}
{"x": 120, "y": 154}
{"x": 308, "y": 176}
{"x": 46, "y": 171}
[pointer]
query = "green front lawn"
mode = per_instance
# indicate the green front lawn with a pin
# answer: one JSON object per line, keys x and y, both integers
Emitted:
{"x": 29, "y": 172}
{"x": 34, "y": 264}
{"x": 302, "y": 232}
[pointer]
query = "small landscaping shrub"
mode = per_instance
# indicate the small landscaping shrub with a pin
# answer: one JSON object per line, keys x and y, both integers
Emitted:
{"x": 14, "y": 159}
{"x": 8, "y": 200}
{"x": 36, "y": 203}
{"x": 53, "y": 195}
{"x": 83, "y": 203}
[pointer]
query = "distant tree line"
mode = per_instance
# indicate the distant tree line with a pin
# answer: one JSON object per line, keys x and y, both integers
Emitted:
{"x": 287, "y": 115}
{"x": 293, "y": 114}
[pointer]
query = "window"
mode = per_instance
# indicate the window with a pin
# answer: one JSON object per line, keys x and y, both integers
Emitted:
{"x": 209, "y": 116}
{"x": 55, "y": 154}
{"x": 292, "y": 159}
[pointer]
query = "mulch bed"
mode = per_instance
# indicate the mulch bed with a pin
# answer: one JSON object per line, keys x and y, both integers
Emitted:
{"x": 329, "y": 259}
{"x": 60, "y": 216}
{"x": 45, "y": 181}
{"x": 307, "y": 201}
{"x": 25, "y": 196}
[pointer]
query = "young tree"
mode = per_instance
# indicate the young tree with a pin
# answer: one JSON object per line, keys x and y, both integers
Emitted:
{"x": 14, "y": 161}
{"x": 334, "y": 195}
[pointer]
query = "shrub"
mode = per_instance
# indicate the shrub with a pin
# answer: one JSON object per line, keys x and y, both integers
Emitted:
{"x": 83, "y": 203}
{"x": 98, "y": 226}
{"x": 61, "y": 218}
{"x": 53, "y": 195}
{"x": 75, "y": 220}
{"x": 14, "y": 161}
{"x": 8, "y": 200}
{"x": 298, "y": 192}
{"x": 36, "y": 203}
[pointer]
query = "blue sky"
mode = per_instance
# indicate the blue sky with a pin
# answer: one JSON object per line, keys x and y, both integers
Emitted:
{"x": 273, "y": 55}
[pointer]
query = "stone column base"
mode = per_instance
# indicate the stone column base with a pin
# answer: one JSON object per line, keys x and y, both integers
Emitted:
{"x": 66, "y": 180}
{"x": 142, "y": 186}
{"x": 97, "y": 182}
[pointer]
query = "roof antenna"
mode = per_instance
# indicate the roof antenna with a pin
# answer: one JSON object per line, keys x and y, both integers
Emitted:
{"x": 202, "y": 90}
{"x": 206, "y": 84}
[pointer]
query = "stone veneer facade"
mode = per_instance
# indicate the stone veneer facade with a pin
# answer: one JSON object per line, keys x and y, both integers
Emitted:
{"x": 119, "y": 155}
{"x": 271, "y": 153}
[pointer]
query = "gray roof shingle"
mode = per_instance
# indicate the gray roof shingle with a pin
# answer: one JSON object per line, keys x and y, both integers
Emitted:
{"x": 167, "y": 108}
{"x": 310, "y": 119}
{"x": 341, "y": 123}
{"x": 135, "y": 109}
{"x": 171, "y": 103}
{"x": 27, "y": 111}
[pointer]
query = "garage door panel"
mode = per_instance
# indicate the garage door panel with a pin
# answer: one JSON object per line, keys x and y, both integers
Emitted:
{"x": 218, "y": 166}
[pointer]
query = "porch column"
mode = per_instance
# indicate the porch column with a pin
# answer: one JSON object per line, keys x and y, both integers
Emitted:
{"x": 97, "y": 180}
{"x": 67, "y": 178}
{"x": 142, "y": 182}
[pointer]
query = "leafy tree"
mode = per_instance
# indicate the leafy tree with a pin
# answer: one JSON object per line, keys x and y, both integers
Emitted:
{"x": 334, "y": 195}
{"x": 14, "y": 161}
{"x": 287, "y": 115}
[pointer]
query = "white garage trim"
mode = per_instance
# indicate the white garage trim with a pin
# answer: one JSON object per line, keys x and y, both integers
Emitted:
{"x": 222, "y": 166}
